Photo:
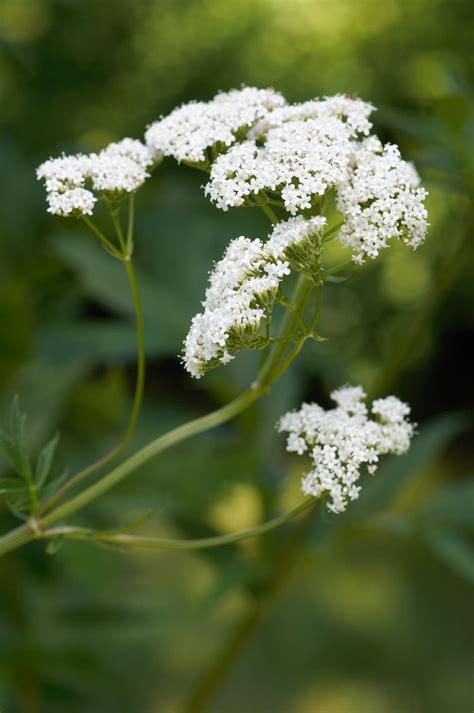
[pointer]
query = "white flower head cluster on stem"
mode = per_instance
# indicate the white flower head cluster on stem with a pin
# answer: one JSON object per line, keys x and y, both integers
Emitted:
{"x": 343, "y": 439}
{"x": 193, "y": 128}
{"x": 238, "y": 288}
{"x": 70, "y": 181}
{"x": 381, "y": 199}
{"x": 300, "y": 160}
{"x": 296, "y": 153}
{"x": 242, "y": 289}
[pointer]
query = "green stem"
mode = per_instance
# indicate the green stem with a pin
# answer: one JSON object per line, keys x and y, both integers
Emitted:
{"x": 187, "y": 430}
{"x": 137, "y": 399}
{"x": 269, "y": 213}
{"x": 160, "y": 543}
{"x": 28, "y": 532}
{"x": 131, "y": 223}
{"x": 103, "y": 239}
{"x": 264, "y": 379}
{"x": 289, "y": 305}
{"x": 31, "y": 530}
{"x": 317, "y": 307}
{"x": 299, "y": 298}
{"x": 32, "y": 491}
{"x": 291, "y": 338}
{"x": 119, "y": 233}
{"x": 339, "y": 268}
{"x": 291, "y": 356}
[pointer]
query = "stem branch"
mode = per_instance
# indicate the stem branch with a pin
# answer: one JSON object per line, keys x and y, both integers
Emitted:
{"x": 137, "y": 399}
{"x": 160, "y": 543}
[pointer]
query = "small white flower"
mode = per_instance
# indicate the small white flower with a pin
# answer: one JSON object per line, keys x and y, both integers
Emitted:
{"x": 189, "y": 130}
{"x": 343, "y": 439}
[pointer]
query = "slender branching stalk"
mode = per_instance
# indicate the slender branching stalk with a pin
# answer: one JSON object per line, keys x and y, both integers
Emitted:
{"x": 126, "y": 259}
{"x": 278, "y": 360}
{"x": 127, "y": 540}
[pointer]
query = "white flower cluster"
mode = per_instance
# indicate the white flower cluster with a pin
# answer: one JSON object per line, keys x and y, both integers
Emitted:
{"x": 70, "y": 181}
{"x": 302, "y": 151}
{"x": 343, "y": 439}
{"x": 306, "y": 150}
{"x": 380, "y": 199}
{"x": 300, "y": 160}
{"x": 255, "y": 143}
{"x": 243, "y": 284}
{"x": 188, "y": 131}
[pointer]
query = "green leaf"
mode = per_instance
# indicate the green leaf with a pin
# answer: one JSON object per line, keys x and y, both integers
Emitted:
{"x": 7, "y": 489}
{"x": 456, "y": 551}
{"x": 452, "y": 505}
{"x": 10, "y": 451}
{"x": 19, "y": 509}
{"x": 45, "y": 461}
{"x": 54, "y": 545}
{"x": 18, "y": 437}
{"x": 53, "y": 485}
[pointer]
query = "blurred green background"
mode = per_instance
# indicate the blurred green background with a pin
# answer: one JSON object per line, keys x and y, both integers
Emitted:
{"x": 375, "y": 613}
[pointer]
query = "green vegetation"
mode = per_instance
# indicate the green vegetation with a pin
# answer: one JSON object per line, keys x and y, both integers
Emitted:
{"x": 366, "y": 612}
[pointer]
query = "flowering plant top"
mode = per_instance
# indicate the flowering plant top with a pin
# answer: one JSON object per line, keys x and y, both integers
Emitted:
{"x": 292, "y": 161}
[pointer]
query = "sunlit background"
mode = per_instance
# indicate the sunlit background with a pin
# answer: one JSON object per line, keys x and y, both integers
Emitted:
{"x": 375, "y": 613}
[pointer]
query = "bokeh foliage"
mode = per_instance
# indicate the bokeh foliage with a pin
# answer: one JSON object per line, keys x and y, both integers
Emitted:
{"x": 377, "y": 615}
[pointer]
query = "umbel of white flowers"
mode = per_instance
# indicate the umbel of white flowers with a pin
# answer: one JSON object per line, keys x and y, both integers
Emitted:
{"x": 254, "y": 143}
{"x": 343, "y": 439}
{"x": 242, "y": 290}
{"x": 72, "y": 182}
{"x": 257, "y": 147}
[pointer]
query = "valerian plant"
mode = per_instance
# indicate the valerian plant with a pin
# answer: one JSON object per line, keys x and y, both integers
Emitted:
{"x": 287, "y": 160}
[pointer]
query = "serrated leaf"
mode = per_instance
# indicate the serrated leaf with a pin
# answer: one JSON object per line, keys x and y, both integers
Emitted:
{"x": 45, "y": 461}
